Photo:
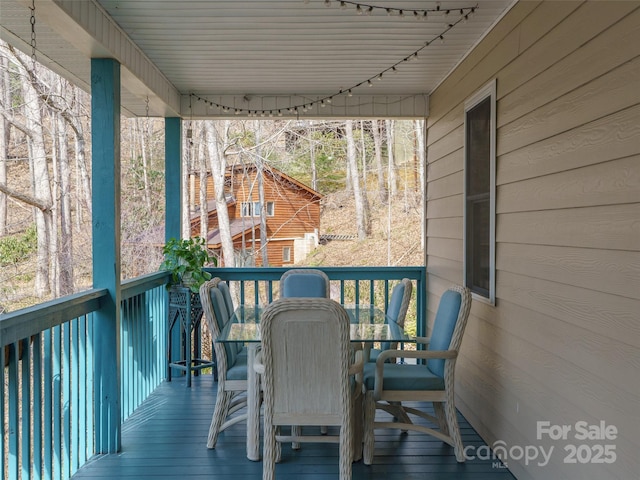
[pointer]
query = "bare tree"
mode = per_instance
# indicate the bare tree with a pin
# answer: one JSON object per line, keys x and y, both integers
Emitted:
{"x": 5, "y": 134}
{"x": 40, "y": 179}
{"x": 392, "y": 179}
{"x": 420, "y": 133}
{"x": 203, "y": 172}
{"x": 144, "y": 131}
{"x": 362, "y": 216}
{"x": 217, "y": 143}
{"x": 83, "y": 181}
{"x": 377, "y": 147}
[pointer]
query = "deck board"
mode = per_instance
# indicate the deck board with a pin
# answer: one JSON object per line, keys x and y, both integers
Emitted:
{"x": 166, "y": 437}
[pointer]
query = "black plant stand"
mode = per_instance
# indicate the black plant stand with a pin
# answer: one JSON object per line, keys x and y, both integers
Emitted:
{"x": 185, "y": 310}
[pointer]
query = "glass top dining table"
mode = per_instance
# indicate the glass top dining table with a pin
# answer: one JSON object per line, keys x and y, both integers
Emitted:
{"x": 368, "y": 324}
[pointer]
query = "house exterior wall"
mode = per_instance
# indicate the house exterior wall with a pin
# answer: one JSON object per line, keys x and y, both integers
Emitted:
{"x": 562, "y": 343}
{"x": 296, "y": 210}
{"x": 296, "y": 215}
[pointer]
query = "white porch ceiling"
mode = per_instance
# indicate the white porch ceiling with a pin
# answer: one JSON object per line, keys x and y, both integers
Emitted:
{"x": 256, "y": 55}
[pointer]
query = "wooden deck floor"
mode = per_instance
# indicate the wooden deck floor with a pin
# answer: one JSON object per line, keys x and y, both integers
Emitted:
{"x": 165, "y": 438}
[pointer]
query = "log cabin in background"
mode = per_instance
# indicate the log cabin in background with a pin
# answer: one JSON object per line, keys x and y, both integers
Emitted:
{"x": 288, "y": 224}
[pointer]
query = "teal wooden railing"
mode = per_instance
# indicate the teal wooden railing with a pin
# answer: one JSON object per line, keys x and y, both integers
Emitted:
{"x": 46, "y": 402}
{"x": 47, "y": 383}
{"x": 348, "y": 285}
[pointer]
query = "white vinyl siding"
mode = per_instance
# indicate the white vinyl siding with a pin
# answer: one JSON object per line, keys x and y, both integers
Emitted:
{"x": 562, "y": 342}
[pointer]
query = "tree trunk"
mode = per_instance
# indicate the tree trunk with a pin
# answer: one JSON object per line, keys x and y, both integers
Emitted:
{"x": 361, "y": 214}
{"x": 216, "y": 142}
{"x": 393, "y": 182}
{"x": 65, "y": 258}
{"x": 312, "y": 156}
{"x": 204, "y": 210}
{"x": 41, "y": 183}
{"x": 377, "y": 146}
{"x": 54, "y": 253}
{"x": 186, "y": 176}
{"x": 145, "y": 146}
{"x": 420, "y": 133}
{"x": 5, "y": 135}
{"x": 263, "y": 207}
{"x": 83, "y": 186}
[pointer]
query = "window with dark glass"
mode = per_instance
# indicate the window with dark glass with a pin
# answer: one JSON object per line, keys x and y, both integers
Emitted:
{"x": 479, "y": 195}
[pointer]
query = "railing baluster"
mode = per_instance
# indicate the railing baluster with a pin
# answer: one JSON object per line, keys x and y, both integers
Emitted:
{"x": 82, "y": 390}
{"x": 47, "y": 387}
{"x": 37, "y": 406}
{"x": 14, "y": 459}
{"x": 57, "y": 400}
{"x": 75, "y": 395}
{"x": 3, "y": 444}
{"x": 126, "y": 352}
{"x": 25, "y": 413}
{"x": 90, "y": 382}
{"x": 66, "y": 395}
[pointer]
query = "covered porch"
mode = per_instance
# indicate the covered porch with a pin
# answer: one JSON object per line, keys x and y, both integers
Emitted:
{"x": 557, "y": 343}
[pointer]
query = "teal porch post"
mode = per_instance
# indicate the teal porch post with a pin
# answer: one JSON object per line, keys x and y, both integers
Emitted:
{"x": 173, "y": 203}
{"x": 105, "y": 128}
{"x": 173, "y": 176}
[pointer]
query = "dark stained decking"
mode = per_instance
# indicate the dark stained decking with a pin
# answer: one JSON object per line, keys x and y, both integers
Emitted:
{"x": 166, "y": 438}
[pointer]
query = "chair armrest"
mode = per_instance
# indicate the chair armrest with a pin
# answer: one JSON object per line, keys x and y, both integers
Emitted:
{"x": 258, "y": 366}
{"x": 423, "y": 354}
{"x": 423, "y": 340}
{"x": 358, "y": 366}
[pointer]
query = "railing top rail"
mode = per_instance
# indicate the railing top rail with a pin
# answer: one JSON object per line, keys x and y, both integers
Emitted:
{"x": 334, "y": 273}
{"x": 138, "y": 285}
{"x": 29, "y": 321}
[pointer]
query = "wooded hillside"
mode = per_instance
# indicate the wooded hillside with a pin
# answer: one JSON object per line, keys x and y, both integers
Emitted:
{"x": 45, "y": 182}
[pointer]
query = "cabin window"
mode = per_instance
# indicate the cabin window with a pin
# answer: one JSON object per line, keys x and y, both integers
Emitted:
{"x": 286, "y": 254}
{"x": 270, "y": 209}
{"x": 252, "y": 209}
{"x": 479, "y": 193}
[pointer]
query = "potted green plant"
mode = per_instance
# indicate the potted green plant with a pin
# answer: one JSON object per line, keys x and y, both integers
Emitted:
{"x": 185, "y": 258}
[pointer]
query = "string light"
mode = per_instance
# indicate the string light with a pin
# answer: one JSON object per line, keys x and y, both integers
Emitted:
{"x": 417, "y": 13}
{"x": 295, "y": 109}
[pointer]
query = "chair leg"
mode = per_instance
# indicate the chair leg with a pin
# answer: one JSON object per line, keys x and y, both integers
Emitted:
{"x": 357, "y": 427}
{"x": 441, "y": 416}
{"x": 454, "y": 431}
{"x": 220, "y": 412}
{"x": 296, "y": 430}
{"x": 369, "y": 436}
{"x": 269, "y": 452}
{"x": 346, "y": 451}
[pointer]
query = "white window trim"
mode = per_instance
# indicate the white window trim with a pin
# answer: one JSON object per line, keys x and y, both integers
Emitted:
{"x": 489, "y": 90}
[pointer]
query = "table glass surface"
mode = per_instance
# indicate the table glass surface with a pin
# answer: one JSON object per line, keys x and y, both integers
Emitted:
{"x": 368, "y": 324}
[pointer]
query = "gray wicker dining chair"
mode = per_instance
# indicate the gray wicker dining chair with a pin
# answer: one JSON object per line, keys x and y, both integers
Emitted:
{"x": 396, "y": 312}
{"x": 304, "y": 282}
{"x": 308, "y": 378}
{"x": 388, "y": 385}
{"x": 231, "y": 365}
